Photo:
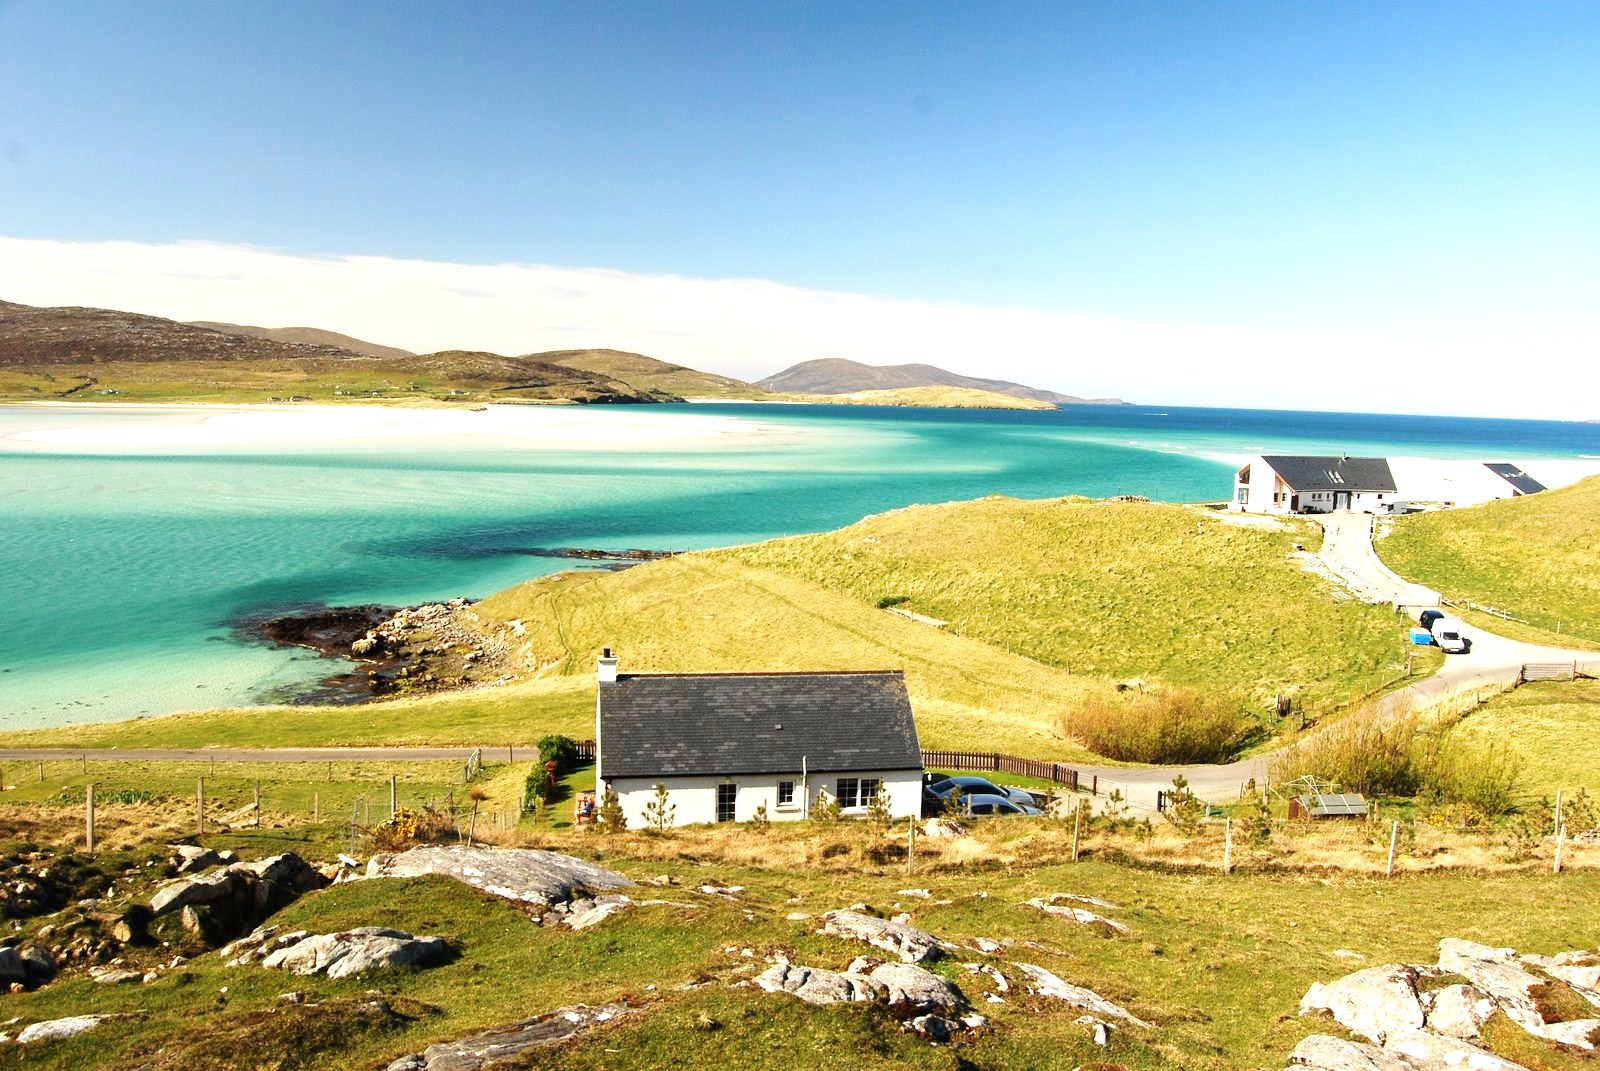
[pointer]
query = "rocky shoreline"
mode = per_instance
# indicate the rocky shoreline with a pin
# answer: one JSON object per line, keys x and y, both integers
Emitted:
{"x": 398, "y": 650}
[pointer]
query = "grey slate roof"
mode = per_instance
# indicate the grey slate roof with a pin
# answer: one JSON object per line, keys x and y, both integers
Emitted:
{"x": 659, "y": 725}
{"x": 1329, "y": 473}
{"x": 1513, "y": 475}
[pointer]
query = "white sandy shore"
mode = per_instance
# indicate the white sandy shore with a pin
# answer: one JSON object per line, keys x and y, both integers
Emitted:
{"x": 542, "y": 426}
{"x": 1424, "y": 479}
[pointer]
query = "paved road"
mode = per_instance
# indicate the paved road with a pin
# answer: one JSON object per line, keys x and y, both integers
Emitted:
{"x": 1347, "y": 552}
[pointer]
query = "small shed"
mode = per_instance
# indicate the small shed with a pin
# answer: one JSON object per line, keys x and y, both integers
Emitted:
{"x": 1316, "y": 804}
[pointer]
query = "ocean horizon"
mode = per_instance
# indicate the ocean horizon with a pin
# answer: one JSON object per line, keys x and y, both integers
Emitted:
{"x": 132, "y": 555}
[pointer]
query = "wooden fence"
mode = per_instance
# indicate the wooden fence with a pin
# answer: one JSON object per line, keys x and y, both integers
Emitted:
{"x": 989, "y": 761}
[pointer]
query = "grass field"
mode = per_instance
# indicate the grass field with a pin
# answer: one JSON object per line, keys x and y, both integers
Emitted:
{"x": 1536, "y": 558}
{"x": 1216, "y": 965}
{"x": 1553, "y": 729}
{"x": 1113, "y": 590}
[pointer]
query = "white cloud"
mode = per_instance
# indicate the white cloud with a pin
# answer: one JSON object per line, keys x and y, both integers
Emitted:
{"x": 751, "y": 328}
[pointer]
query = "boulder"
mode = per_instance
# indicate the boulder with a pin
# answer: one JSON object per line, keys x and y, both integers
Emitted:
{"x": 1458, "y": 1010}
{"x": 188, "y": 858}
{"x": 526, "y": 875}
{"x": 910, "y": 991}
{"x": 936, "y": 1027}
{"x": 201, "y": 889}
{"x": 505, "y": 1043}
{"x": 1047, "y": 984}
{"x": 1323, "y": 1053}
{"x": 1374, "y": 1002}
{"x": 586, "y": 913}
{"x": 38, "y": 963}
{"x": 11, "y": 968}
{"x": 56, "y": 1029}
{"x": 340, "y": 955}
{"x": 117, "y": 977}
{"x": 908, "y": 943}
{"x": 1431, "y": 1050}
{"x": 815, "y": 985}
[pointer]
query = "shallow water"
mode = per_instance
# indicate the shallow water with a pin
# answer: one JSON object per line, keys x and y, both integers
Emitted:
{"x": 120, "y": 574}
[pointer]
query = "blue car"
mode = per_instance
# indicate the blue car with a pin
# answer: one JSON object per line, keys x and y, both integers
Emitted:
{"x": 937, "y": 789}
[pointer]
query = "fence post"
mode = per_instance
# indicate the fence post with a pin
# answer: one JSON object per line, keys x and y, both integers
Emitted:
{"x": 1561, "y": 836}
{"x": 1094, "y": 785}
{"x": 1077, "y": 824}
{"x": 88, "y": 818}
{"x": 911, "y": 843}
{"x": 392, "y": 797}
{"x": 41, "y": 773}
{"x": 257, "y": 822}
{"x": 1394, "y": 841}
{"x": 1227, "y": 846}
{"x": 200, "y": 806}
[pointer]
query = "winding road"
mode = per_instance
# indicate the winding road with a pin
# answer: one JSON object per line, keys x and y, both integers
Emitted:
{"x": 1347, "y": 553}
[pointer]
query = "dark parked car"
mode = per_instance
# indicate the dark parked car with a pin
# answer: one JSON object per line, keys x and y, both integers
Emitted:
{"x": 937, "y": 790}
{"x": 986, "y": 803}
{"x": 1428, "y": 617}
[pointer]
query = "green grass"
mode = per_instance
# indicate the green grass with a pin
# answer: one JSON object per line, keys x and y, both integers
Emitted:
{"x": 1112, "y": 589}
{"x": 1536, "y": 558}
{"x": 1552, "y": 729}
{"x": 1218, "y": 965}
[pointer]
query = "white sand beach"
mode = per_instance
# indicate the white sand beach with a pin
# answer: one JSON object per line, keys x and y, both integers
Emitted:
{"x": 1465, "y": 483}
{"x": 142, "y": 427}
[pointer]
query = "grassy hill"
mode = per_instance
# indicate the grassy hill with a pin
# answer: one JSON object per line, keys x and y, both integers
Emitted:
{"x": 314, "y": 336}
{"x": 647, "y": 373}
{"x": 834, "y": 375}
{"x": 925, "y": 398}
{"x": 1110, "y": 589}
{"x": 1550, "y": 728}
{"x": 1536, "y": 557}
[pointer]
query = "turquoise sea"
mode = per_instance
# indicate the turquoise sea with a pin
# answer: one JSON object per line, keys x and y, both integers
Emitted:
{"x": 122, "y": 573}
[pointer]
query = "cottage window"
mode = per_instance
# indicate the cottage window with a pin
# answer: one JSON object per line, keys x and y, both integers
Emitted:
{"x": 847, "y": 790}
{"x": 785, "y": 793}
{"x": 1244, "y": 496}
{"x": 727, "y": 796}
{"x": 869, "y": 789}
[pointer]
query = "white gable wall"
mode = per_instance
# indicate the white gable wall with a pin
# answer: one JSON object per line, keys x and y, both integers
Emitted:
{"x": 695, "y": 798}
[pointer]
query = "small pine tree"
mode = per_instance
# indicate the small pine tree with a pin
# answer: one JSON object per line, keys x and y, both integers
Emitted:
{"x": 1183, "y": 807}
{"x": 611, "y": 818}
{"x": 759, "y": 820}
{"x": 659, "y": 811}
{"x": 878, "y": 811}
{"x": 955, "y": 804}
{"x": 827, "y": 808}
{"x": 1258, "y": 821}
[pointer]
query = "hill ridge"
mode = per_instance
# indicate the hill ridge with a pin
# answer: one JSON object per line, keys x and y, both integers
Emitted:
{"x": 836, "y": 375}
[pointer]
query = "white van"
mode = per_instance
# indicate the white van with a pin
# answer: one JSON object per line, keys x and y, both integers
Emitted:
{"x": 1448, "y": 635}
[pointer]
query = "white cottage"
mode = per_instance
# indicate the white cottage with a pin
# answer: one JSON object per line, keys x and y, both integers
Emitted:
{"x": 1315, "y": 484}
{"x": 723, "y": 744}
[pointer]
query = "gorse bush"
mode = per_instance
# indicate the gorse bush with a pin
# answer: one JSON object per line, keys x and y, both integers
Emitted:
{"x": 1180, "y": 725}
{"x": 1402, "y": 754}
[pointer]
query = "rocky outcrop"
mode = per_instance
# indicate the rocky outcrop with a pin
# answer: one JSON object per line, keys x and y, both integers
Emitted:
{"x": 1082, "y": 916}
{"x": 1047, "y": 984}
{"x": 910, "y": 991}
{"x": 225, "y": 902}
{"x": 526, "y": 875}
{"x": 505, "y": 1043}
{"x": 1422, "y": 1017}
{"x": 923, "y": 1001}
{"x": 815, "y": 985}
{"x": 900, "y": 939}
{"x": 56, "y": 1029}
{"x": 352, "y": 952}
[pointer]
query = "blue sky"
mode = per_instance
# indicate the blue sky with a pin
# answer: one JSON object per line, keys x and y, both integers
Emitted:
{"x": 1395, "y": 171}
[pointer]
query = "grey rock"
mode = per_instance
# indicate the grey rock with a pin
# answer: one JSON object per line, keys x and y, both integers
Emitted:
{"x": 1079, "y": 915}
{"x": 190, "y": 858}
{"x": 1374, "y": 1002}
{"x": 201, "y": 889}
{"x": 908, "y": 943}
{"x": 814, "y": 985}
{"x": 1458, "y": 1010}
{"x": 526, "y": 875}
{"x": 1047, "y": 984}
{"x": 936, "y": 1027}
{"x": 56, "y": 1029}
{"x": 1323, "y": 1053}
{"x": 340, "y": 955}
{"x": 118, "y": 977}
{"x": 1438, "y": 1051}
{"x": 287, "y": 870}
{"x": 11, "y": 968}
{"x": 38, "y": 962}
{"x": 189, "y": 918}
{"x": 596, "y": 911}
{"x": 1056, "y": 898}
{"x": 505, "y": 1043}
{"x": 911, "y": 991}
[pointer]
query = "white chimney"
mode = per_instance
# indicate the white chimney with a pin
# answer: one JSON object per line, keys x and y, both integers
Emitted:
{"x": 608, "y": 667}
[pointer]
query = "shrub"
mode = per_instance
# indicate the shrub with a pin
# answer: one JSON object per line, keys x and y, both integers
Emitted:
{"x": 1181, "y": 725}
{"x": 893, "y": 600}
{"x": 611, "y": 818}
{"x": 1184, "y": 809}
{"x": 562, "y": 750}
{"x": 827, "y": 808}
{"x": 659, "y": 811}
{"x": 407, "y": 827}
{"x": 759, "y": 820}
{"x": 878, "y": 811}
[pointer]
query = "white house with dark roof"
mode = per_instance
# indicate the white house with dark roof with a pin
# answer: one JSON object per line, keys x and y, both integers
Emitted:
{"x": 1278, "y": 483}
{"x": 724, "y": 744}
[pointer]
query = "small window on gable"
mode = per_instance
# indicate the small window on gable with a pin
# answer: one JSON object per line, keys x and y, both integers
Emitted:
{"x": 785, "y": 793}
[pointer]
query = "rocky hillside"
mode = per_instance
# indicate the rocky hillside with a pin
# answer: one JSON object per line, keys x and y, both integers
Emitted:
{"x": 647, "y": 373}
{"x": 314, "y": 336}
{"x": 837, "y": 376}
{"x": 64, "y": 336}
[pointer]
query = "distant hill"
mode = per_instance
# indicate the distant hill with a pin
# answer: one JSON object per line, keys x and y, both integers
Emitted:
{"x": 647, "y": 373}
{"x": 925, "y": 398}
{"x": 313, "y": 336}
{"x": 837, "y": 376}
{"x": 103, "y": 354}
